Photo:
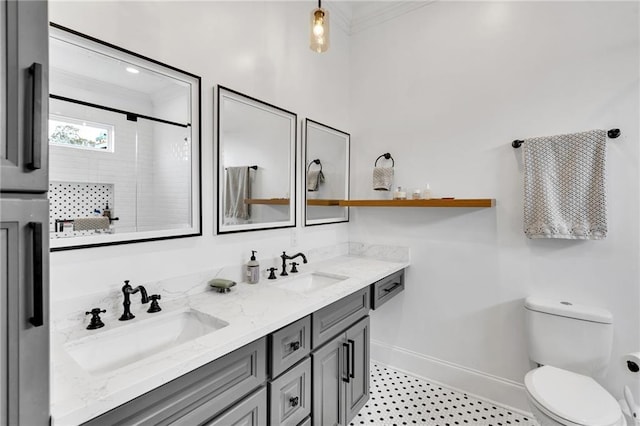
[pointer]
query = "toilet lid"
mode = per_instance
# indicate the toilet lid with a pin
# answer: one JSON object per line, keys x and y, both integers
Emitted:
{"x": 574, "y": 397}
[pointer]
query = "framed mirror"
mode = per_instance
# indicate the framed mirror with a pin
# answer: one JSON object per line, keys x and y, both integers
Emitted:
{"x": 124, "y": 143}
{"x": 256, "y": 164}
{"x": 326, "y": 177}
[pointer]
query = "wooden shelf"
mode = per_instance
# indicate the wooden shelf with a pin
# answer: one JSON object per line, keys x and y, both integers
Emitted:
{"x": 434, "y": 202}
{"x": 319, "y": 202}
{"x": 271, "y": 201}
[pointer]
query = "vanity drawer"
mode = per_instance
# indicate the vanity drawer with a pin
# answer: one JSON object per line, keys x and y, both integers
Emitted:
{"x": 306, "y": 422}
{"x": 331, "y": 320}
{"x": 386, "y": 288}
{"x": 197, "y": 396}
{"x": 289, "y": 345}
{"x": 251, "y": 411}
{"x": 290, "y": 396}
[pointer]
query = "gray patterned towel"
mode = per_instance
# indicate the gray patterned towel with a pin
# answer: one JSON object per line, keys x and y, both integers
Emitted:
{"x": 90, "y": 223}
{"x": 564, "y": 186}
{"x": 382, "y": 178}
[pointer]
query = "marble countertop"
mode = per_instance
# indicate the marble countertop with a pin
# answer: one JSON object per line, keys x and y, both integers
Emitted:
{"x": 252, "y": 311}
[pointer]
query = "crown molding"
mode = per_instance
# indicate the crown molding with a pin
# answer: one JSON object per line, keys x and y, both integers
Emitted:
{"x": 375, "y": 13}
{"x": 340, "y": 14}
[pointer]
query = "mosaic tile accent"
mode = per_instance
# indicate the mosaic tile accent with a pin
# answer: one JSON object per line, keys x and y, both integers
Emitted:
{"x": 398, "y": 399}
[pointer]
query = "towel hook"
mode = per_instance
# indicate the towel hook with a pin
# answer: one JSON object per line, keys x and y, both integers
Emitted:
{"x": 316, "y": 161}
{"x": 611, "y": 134}
{"x": 386, "y": 156}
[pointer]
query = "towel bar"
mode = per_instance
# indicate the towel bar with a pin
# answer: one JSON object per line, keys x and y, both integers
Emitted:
{"x": 611, "y": 134}
{"x": 386, "y": 156}
{"x": 316, "y": 161}
{"x": 248, "y": 167}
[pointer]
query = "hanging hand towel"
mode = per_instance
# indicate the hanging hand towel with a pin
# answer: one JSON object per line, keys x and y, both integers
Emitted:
{"x": 237, "y": 189}
{"x": 382, "y": 178}
{"x": 91, "y": 223}
{"x": 564, "y": 186}
{"x": 314, "y": 179}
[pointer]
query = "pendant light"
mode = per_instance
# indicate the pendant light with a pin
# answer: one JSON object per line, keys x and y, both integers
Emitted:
{"x": 319, "y": 33}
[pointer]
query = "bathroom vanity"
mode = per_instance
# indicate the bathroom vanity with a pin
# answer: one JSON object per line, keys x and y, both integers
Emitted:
{"x": 290, "y": 351}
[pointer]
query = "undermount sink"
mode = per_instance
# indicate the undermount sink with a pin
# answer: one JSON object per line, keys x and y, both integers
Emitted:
{"x": 113, "y": 349}
{"x": 311, "y": 282}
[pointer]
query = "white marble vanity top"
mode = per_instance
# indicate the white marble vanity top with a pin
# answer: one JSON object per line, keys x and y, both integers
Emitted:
{"x": 252, "y": 311}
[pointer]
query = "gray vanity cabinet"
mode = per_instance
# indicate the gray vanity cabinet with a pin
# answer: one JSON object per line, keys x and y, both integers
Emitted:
{"x": 340, "y": 359}
{"x": 341, "y": 376}
{"x": 24, "y": 214}
{"x": 202, "y": 395}
{"x": 386, "y": 289}
{"x": 24, "y": 96}
{"x": 24, "y": 323}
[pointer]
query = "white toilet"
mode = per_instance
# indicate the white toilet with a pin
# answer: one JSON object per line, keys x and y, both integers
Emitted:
{"x": 572, "y": 343}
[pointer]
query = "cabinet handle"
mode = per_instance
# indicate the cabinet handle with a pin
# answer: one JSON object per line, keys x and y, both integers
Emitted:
{"x": 37, "y": 106}
{"x": 390, "y": 289}
{"x": 352, "y": 370}
{"x": 294, "y": 346}
{"x": 38, "y": 306}
{"x": 348, "y": 351}
{"x": 293, "y": 401}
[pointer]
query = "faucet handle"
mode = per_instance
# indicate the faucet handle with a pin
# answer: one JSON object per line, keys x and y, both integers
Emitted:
{"x": 294, "y": 267}
{"x": 155, "y": 307}
{"x": 96, "y": 322}
{"x": 272, "y": 273}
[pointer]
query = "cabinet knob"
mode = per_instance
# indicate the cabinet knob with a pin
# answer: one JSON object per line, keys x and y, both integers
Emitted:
{"x": 294, "y": 346}
{"x": 293, "y": 401}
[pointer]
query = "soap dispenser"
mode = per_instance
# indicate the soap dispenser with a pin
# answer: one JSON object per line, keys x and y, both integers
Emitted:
{"x": 253, "y": 269}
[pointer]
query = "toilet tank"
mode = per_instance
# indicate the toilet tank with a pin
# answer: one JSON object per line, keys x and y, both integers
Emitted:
{"x": 574, "y": 337}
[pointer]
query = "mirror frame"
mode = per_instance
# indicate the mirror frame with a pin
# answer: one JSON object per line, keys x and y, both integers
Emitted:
{"x": 221, "y": 228}
{"x": 60, "y": 244}
{"x": 347, "y": 136}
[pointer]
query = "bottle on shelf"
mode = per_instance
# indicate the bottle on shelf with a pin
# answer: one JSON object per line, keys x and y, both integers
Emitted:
{"x": 426, "y": 192}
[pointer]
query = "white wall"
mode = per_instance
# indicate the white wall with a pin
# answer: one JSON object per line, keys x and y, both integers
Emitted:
{"x": 258, "y": 48}
{"x": 445, "y": 89}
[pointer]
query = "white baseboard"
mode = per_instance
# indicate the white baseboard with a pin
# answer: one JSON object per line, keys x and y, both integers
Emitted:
{"x": 456, "y": 377}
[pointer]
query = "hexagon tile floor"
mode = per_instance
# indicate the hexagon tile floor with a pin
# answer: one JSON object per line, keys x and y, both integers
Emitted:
{"x": 398, "y": 399}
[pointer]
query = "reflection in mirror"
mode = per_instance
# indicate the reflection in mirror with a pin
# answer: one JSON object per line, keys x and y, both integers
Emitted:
{"x": 327, "y": 173}
{"x": 124, "y": 143}
{"x": 256, "y": 164}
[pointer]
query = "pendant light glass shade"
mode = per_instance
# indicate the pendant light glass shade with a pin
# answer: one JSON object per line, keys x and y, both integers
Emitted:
{"x": 319, "y": 32}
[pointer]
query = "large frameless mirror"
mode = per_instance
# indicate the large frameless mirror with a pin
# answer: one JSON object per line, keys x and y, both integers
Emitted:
{"x": 124, "y": 143}
{"x": 326, "y": 174}
{"x": 256, "y": 164}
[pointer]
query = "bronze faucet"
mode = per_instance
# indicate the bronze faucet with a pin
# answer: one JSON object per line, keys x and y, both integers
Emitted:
{"x": 127, "y": 290}
{"x": 286, "y": 257}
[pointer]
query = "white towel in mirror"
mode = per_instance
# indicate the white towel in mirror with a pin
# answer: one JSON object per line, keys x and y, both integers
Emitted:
{"x": 314, "y": 179}
{"x": 237, "y": 190}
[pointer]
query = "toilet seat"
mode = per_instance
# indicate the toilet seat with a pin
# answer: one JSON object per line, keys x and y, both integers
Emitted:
{"x": 572, "y": 399}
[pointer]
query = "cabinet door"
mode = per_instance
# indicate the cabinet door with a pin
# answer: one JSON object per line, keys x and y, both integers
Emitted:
{"x": 328, "y": 386}
{"x": 24, "y": 96}
{"x": 252, "y": 411}
{"x": 24, "y": 324}
{"x": 290, "y": 396}
{"x": 357, "y": 388}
